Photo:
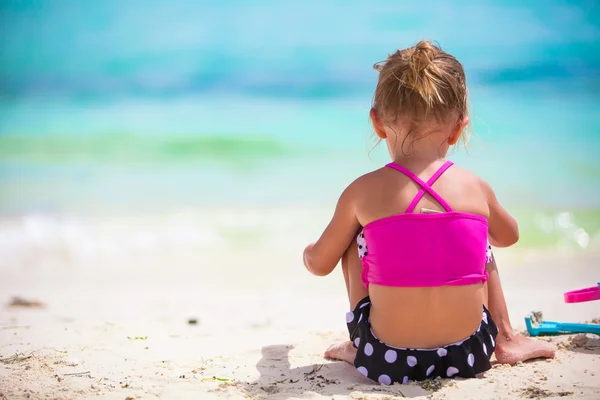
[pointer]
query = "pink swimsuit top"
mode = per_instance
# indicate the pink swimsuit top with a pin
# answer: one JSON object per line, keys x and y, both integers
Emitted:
{"x": 425, "y": 250}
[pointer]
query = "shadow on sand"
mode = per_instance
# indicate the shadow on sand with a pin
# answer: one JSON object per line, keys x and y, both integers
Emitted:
{"x": 278, "y": 380}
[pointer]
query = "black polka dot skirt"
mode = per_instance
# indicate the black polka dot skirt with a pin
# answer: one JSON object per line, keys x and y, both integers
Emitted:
{"x": 386, "y": 365}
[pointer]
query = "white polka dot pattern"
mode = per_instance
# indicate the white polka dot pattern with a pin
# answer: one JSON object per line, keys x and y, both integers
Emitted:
{"x": 430, "y": 370}
{"x": 411, "y": 361}
{"x": 442, "y": 352}
{"x": 363, "y": 371}
{"x": 368, "y": 349}
{"x": 471, "y": 359}
{"x": 391, "y": 356}
{"x": 362, "y": 245}
{"x": 349, "y": 317}
{"x": 385, "y": 380}
{"x": 451, "y": 371}
{"x": 488, "y": 252}
{"x": 357, "y": 341}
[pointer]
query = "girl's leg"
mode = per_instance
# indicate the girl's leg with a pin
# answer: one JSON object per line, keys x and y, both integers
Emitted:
{"x": 352, "y": 270}
{"x": 510, "y": 348}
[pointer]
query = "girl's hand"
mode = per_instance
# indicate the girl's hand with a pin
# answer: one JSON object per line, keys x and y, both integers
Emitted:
{"x": 321, "y": 258}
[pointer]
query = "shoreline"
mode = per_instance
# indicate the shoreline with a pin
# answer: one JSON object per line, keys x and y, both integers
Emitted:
{"x": 552, "y": 229}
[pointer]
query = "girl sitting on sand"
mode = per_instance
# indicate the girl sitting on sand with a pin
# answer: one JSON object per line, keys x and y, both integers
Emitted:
{"x": 413, "y": 238}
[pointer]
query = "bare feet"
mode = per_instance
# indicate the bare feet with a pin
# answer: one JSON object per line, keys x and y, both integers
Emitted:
{"x": 511, "y": 348}
{"x": 342, "y": 351}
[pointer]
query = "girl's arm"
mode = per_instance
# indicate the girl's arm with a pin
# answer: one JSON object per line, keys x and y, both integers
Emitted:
{"x": 320, "y": 258}
{"x": 503, "y": 228}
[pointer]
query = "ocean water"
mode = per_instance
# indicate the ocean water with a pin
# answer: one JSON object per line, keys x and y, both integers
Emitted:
{"x": 148, "y": 108}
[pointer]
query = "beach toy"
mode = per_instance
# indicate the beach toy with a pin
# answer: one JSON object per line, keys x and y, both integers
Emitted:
{"x": 537, "y": 326}
{"x": 582, "y": 295}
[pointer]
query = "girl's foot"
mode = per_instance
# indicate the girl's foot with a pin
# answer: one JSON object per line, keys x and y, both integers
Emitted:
{"x": 342, "y": 351}
{"x": 511, "y": 348}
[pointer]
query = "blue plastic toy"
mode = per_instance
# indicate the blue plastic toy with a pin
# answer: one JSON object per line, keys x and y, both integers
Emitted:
{"x": 537, "y": 326}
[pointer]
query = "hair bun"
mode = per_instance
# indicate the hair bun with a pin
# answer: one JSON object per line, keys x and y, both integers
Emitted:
{"x": 422, "y": 56}
{"x": 420, "y": 83}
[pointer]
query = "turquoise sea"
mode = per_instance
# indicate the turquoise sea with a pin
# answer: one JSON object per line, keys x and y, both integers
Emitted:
{"x": 150, "y": 107}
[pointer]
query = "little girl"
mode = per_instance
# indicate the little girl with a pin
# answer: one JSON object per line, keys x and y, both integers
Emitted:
{"x": 418, "y": 229}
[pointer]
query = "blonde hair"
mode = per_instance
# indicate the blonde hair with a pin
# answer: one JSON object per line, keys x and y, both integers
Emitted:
{"x": 420, "y": 85}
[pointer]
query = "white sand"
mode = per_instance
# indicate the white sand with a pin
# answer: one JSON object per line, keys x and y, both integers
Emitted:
{"x": 263, "y": 324}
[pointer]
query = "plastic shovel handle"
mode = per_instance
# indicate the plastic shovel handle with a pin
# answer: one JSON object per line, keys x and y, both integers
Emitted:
{"x": 583, "y": 295}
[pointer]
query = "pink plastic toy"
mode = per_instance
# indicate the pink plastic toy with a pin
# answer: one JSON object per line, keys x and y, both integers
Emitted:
{"x": 583, "y": 295}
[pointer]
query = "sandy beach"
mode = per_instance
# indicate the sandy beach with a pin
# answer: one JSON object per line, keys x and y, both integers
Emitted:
{"x": 164, "y": 165}
{"x": 228, "y": 323}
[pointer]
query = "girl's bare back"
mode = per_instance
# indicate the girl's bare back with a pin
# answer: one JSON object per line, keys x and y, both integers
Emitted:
{"x": 432, "y": 316}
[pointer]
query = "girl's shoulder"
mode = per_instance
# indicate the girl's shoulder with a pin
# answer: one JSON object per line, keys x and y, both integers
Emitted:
{"x": 369, "y": 179}
{"x": 471, "y": 177}
{"x": 361, "y": 185}
{"x": 376, "y": 179}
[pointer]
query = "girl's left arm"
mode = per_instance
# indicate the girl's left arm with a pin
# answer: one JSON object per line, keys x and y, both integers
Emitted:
{"x": 321, "y": 258}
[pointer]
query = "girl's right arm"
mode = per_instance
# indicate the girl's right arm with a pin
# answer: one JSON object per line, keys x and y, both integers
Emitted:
{"x": 503, "y": 228}
{"x": 322, "y": 257}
